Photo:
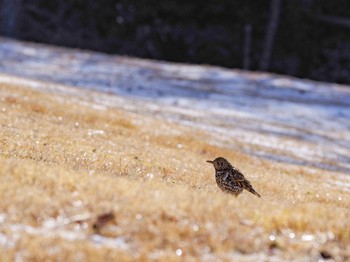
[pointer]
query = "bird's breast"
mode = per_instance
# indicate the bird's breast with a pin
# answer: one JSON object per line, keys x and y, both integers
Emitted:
{"x": 222, "y": 175}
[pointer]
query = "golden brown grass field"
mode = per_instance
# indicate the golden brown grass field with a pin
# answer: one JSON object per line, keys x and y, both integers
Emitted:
{"x": 87, "y": 183}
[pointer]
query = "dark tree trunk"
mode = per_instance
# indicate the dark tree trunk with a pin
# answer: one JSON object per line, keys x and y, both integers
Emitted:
{"x": 247, "y": 46}
{"x": 271, "y": 29}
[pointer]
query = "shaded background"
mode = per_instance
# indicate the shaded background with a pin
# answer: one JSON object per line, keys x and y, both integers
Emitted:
{"x": 304, "y": 38}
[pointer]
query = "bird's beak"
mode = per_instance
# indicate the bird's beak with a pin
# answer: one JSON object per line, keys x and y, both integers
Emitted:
{"x": 209, "y": 161}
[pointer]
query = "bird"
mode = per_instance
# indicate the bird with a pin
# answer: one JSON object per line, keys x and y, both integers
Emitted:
{"x": 230, "y": 179}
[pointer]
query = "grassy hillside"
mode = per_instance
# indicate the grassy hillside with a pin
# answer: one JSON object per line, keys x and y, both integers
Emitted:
{"x": 88, "y": 182}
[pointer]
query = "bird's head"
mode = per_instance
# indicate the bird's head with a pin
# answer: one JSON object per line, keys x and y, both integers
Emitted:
{"x": 220, "y": 163}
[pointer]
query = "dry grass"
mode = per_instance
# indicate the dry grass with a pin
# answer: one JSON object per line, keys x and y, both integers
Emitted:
{"x": 64, "y": 163}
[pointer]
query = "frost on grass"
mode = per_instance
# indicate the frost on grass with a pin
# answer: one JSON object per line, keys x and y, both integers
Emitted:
{"x": 60, "y": 173}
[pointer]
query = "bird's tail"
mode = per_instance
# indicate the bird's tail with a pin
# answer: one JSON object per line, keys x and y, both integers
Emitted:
{"x": 251, "y": 190}
{"x": 248, "y": 186}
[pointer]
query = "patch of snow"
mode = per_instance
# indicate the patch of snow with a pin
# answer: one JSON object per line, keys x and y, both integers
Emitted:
{"x": 288, "y": 119}
{"x": 2, "y": 217}
{"x": 92, "y": 132}
{"x": 118, "y": 242}
{"x": 50, "y": 229}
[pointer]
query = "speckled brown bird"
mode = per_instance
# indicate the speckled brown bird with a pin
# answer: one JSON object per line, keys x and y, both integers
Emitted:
{"x": 230, "y": 179}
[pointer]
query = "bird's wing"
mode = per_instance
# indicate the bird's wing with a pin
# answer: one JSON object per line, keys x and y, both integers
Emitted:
{"x": 237, "y": 174}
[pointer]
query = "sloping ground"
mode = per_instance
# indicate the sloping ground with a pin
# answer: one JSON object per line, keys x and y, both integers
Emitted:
{"x": 83, "y": 180}
{"x": 270, "y": 116}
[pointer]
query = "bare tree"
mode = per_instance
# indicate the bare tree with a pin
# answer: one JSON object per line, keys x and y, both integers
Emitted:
{"x": 275, "y": 8}
{"x": 10, "y": 13}
{"x": 247, "y": 43}
{"x": 57, "y": 26}
{"x": 335, "y": 20}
